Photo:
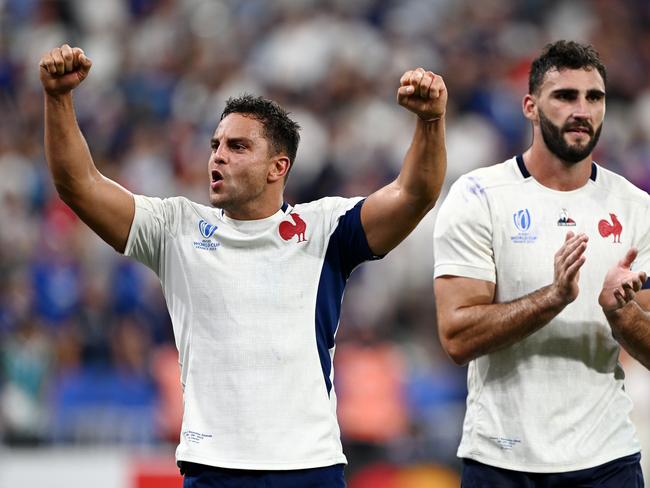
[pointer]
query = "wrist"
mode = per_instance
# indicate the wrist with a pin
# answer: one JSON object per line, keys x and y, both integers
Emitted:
{"x": 55, "y": 92}
{"x": 556, "y": 299}
{"x": 615, "y": 314}
{"x": 58, "y": 98}
{"x": 435, "y": 118}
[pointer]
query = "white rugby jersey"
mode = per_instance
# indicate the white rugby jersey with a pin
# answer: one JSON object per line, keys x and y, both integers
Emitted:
{"x": 554, "y": 401}
{"x": 255, "y": 306}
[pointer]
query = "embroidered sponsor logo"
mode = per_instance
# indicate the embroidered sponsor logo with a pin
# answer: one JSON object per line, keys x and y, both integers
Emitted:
{"x": 523, "y": 222}
{"x": 565, "y": 220}
{"x": 207, "y": 231}
{"x": 298, "y": 228}
{"x": 613, "y": 228}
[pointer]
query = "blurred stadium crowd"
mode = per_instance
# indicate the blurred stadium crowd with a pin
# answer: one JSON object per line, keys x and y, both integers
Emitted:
{"x": 86, "y": 347}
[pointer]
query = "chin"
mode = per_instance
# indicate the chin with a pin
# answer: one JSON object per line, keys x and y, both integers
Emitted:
{"x": 215, "y": 201}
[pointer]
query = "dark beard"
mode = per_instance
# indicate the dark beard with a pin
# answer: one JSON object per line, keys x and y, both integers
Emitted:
{"x": 552, "y": 135}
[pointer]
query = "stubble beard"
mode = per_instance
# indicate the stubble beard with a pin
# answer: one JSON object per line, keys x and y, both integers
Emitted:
{"x": 554, "y": 140}
{"x": 235, "y": 200}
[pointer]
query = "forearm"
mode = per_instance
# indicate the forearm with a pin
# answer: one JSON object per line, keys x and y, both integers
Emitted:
{"x": 405, "y": 201}
{"x": 67, "y": 153}
{"x": 486, "y": 328}
{"x": 631, "y": 328}
{"x": 424, "y": 167}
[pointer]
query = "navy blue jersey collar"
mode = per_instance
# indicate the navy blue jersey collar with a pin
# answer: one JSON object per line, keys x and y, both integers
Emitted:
{"x": 524, "y": 171}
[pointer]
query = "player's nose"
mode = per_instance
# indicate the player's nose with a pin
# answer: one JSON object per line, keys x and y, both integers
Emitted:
{"x": 218, "y": 156}
{"x": 581, "y": 109}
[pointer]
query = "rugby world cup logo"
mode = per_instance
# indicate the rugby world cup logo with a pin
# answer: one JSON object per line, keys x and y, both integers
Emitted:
{"x": 206, "y": 230}
{"x": 522, "y": 220}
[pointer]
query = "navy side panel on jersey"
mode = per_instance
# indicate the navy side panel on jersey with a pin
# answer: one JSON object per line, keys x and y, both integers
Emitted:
{"x": 347, "y": 248}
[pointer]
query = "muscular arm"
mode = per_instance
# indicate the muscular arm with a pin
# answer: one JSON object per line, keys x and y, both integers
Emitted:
{"x": 471, "y": 325}
{"x": 391, "y": 213}
{"x": 106, "y": 207}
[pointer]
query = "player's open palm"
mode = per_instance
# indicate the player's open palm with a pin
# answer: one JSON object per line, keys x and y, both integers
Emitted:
{"x": 63, "y": 68}
{"x": 568, "y": 261}
{"x": 621, "y": 283}
{"x": 424, "y": 93}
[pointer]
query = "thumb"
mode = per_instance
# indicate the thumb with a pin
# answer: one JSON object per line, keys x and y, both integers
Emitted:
{"x": 82, "y": 62}
{"x": 86, "y": 63}
{"x": 629, "y": 258}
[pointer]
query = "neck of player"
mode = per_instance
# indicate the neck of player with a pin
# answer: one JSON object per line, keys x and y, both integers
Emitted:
{"x": 552, "y": 172}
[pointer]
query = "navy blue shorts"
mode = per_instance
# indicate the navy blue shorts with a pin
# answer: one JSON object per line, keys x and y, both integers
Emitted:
{"x": 201, "y": 476}
{"x": 620, "y": 473}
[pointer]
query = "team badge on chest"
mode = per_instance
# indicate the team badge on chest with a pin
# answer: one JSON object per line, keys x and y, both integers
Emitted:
{"x": 298, "y": 228}
{"x": 613, "y": 228}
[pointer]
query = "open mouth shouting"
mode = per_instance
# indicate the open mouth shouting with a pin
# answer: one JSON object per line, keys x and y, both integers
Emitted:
{"x": 216, "y": 178}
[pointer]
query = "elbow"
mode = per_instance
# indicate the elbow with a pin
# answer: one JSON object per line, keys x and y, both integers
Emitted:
{"x": 63, "y": 191}
{"x": 456, "y": 349}
{"x": 457, "y": 354}
{"x": 73, "y": 192}
{"x": 66, "y": 194}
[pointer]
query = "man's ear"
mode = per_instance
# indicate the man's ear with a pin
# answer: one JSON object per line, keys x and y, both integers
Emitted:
{"x": 529, "y": 107}
{"x": 279, "y": 168}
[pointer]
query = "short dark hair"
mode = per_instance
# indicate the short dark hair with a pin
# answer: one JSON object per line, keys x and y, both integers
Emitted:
{"x": 282, "y": 132}
{"x": 563, "y": 55}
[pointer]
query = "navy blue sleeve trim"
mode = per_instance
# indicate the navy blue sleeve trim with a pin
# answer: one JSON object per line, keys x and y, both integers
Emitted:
{"x": 350, "y": 240}
{"x": 346, "y": 249}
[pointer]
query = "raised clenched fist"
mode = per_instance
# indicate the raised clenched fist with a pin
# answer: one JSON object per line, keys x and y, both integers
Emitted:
{"x": 424, "y": 93}
{"x": 62, "y": 69}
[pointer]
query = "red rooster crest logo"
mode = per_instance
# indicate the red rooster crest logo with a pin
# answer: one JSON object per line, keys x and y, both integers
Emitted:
{"x": 606, "y": 229}
{"x": 297, "y": 228}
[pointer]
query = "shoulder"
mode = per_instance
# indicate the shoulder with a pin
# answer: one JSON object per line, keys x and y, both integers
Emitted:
{"x": 170, "y": 212}
{"x": 619, "y": 186}
{"x": 328, "y": 205}
{"x": 479, "y": 183}
{"x": 488, "y": 177}
{"x": 172, "y": 205}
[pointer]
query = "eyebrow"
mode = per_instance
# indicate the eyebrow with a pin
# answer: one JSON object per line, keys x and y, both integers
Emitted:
{"x": 595, "y": 91}
{"x": 242, "y": 140}
{"x": 572, "y": 91}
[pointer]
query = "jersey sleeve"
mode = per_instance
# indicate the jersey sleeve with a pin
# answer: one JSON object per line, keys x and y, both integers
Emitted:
{"x": 152, "y": 223}
{"x": 348, "y": 239}
{"x": 462, "y": 237}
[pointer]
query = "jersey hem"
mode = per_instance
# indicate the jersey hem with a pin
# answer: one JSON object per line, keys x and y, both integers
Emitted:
{"x": 234, "y": 464}
{"x": 547, "y": 468}
{"x": 465, "y": 271}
